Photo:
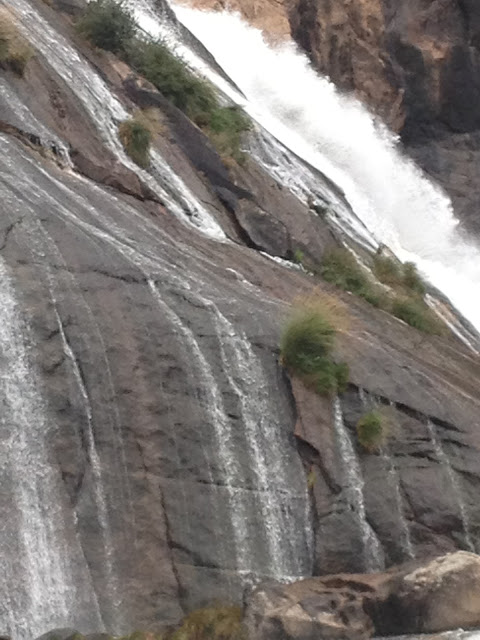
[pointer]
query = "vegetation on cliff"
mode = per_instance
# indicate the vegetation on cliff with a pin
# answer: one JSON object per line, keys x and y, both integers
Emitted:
{"x": 136, "y": 139}
{"x": 306, "y": 349}
{"x": 403, "y": 295}
{"x": 14, "y": 50}
{"x": 110, "y": 26}
{"x": 372, "y": 430}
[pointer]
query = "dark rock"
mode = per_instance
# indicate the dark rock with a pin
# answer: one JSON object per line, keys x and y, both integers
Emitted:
{"x": 264, "y": 232}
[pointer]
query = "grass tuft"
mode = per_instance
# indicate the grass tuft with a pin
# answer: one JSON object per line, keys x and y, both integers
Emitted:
{"x": 15, "y": 52}
{"x": 372, "y": 430}
{"x": 136, "y": 139}
{"x": 417, "y": 314}
{"x": 306, "y": 347}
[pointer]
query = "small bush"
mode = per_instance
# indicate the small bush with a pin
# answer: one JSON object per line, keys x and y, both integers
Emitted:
{"x": 212, "y": 623}
{"x": 173, "y": 79}
{"x": 306, "y": 347}
{"x": 340, "y": 268}
{"x": 108, "y": 25}
{"x": 417, "y": 314}
{"x": 372, "y": 430}
{"x": 15, "y": 52}
{"x": 136, "y": 139}
{"x": 226, "y": 126}
{"x": 298, "y": 256}
{"x": 412, "y": 279}
{"x": 387, "y": 270}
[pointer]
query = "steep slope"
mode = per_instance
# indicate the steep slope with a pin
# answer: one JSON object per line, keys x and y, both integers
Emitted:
{"x": 150, "y": 462}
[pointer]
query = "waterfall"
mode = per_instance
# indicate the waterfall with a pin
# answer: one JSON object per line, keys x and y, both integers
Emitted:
{"x": 336, "y": 135}
{"x": 372, "y": 549}
{"x": 444, "y": 461}
{"x": 42, "y": 586}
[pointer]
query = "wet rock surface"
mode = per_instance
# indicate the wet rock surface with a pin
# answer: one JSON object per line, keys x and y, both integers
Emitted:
{"x": 171, "y": 421}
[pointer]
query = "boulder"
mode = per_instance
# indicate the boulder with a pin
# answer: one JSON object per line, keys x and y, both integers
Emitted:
{"x": 307, "y": 610}
{"x": 437, "y": 596}
{"x": 440, "y": 595}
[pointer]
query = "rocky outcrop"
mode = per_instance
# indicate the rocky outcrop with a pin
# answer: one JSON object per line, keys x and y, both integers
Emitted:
{"x": 440, "y": 595}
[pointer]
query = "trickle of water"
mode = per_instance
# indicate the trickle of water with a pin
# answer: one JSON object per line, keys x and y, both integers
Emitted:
{"x": 393, "y": 480}
{"x": 106, "y": 113}
{"x": 372, "y": 549}
{"x": 444, "y": 460}
{"x": 290, "y": 546}
{"x": 42, "y": 586}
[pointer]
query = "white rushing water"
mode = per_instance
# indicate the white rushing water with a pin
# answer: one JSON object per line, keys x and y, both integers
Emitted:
{"x": 42, "y": 587}
{"x": 338, "y": 136}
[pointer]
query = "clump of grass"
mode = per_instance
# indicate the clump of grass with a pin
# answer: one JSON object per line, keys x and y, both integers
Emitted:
{"x": 306, "y": 350}
{"x": 212, "y": 623}
{"x": 417, "y": 314}
{"x": 340, "y": 268}
{"x": 398, "y": 276}
{"x": 15, "y": 52}
{"x": 226, "y": 126}
{"x": 298, "y": 256}
{"x": 412, "y": 280}
{"x": 108, "y": 25}
{"x": 136, "y": 139}
{"x": 372, "y": 430}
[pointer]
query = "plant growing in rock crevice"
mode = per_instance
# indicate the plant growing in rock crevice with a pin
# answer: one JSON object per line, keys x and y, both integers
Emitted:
{"x": 136, "y": 139}
{"x": 306, "y": 350}
{"x": 372, "y": 430}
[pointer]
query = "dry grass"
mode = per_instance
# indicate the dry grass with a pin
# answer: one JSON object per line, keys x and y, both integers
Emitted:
{"x": 15, "y": 52}
{"x": 334, "y": 310}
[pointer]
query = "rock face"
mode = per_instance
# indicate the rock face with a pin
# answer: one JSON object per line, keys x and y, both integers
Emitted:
{"x": 147, "y": 426}
{"x": 438, "y": 596}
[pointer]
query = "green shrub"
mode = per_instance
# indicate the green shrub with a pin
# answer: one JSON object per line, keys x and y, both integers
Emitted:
{"x": 212, "y": 623}
{"x": 417, "y": 314}
{"x": 15, "y": 52}
{"x": 340, "y": 268}
{"x": 387, "y": 270}
{"x": 108, "y": 25}
{"x": 298, "y": 256}
{"x": 136, "y": 139}
{"x": 372, "y": 430}
{"x": 412, "y": 279}
{"x": 173, "y": 79}
{"x": 306, "y": 347}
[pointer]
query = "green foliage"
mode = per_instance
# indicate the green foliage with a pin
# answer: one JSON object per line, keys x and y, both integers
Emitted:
{"x": 340, "y": 268}
{"x": 173, "y": 79}
{"x": 298, "y": 256}
{"x": 412, "y": 280}
{"x": 372, "y": 430}
{"x": 417, "y": 314}
{"x": 306, "y": 347}
{"x": 136, "y": 139}
{"x": 387, "y": 270}
{"x": 402, "y": 277}
{"x": 14, "y": 50}
{"x": 212, "y": 623}
{"x": 226, "y": 126}
{"x": 108, "y": 25}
